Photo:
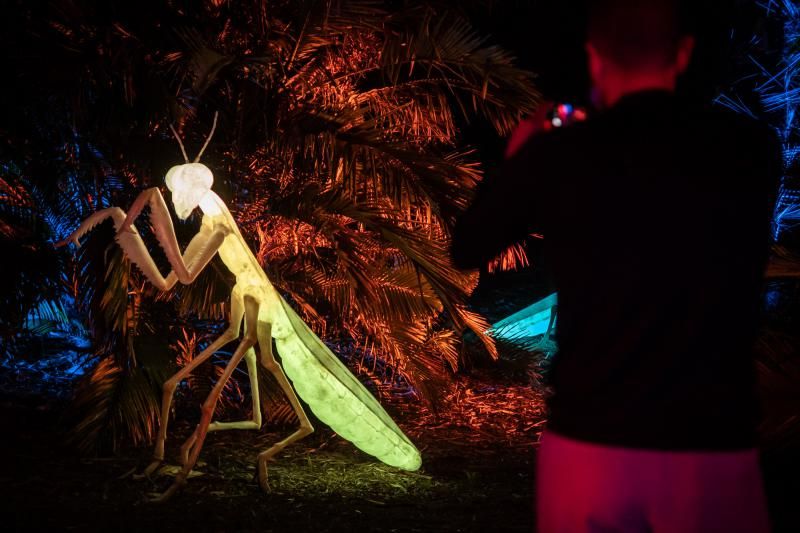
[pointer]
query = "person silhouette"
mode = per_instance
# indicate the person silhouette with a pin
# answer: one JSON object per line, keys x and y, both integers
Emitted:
{"x": 655, "y": 214}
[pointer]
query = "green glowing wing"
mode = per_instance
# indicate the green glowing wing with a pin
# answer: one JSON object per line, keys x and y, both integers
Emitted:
{"x": 338, "y": 399}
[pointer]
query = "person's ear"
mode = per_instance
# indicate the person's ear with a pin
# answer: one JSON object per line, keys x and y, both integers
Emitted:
{"x": 684, "y": 56}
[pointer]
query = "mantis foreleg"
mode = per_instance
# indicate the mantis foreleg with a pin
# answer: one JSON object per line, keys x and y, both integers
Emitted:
{"x": 186, "y": 266}
{"x": 203, "y": 246}
{"x": 162, "y": 226}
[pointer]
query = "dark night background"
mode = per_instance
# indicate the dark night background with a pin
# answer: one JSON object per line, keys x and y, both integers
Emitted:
{"x": 477, "y": 442}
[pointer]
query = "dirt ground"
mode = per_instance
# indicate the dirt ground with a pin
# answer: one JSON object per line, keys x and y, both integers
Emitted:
{"x": 467, "y": 483}
{"x": 478, "y": 475}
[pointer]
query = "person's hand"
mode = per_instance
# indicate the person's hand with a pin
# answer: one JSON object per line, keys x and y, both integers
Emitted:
{"x": 528, "y": 127}
{"x": 548, "y": 116}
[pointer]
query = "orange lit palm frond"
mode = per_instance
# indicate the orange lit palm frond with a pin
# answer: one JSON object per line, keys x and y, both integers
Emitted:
{"x": 410, "y": 112}
{"x": 113, "y": 404}
{"x": 357, "y": 157}
{"x": 427, "y": 255}
{"x": 482, "y": 77}
{"x": 512, "y": 258}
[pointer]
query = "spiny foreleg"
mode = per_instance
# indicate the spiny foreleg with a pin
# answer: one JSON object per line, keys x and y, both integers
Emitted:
{"x": 114, "y": 213}
{"x": 132, "y": 244}
{"x": 185, "y": 267}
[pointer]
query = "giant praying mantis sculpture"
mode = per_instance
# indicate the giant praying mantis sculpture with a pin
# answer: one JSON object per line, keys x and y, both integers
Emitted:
{"x": 335, "y": 396}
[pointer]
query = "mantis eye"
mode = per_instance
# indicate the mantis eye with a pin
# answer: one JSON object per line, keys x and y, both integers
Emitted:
{"x": 170, "y": 178}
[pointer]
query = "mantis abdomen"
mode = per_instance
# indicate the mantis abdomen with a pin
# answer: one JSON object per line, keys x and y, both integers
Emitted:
{"x": 339, "y": 400}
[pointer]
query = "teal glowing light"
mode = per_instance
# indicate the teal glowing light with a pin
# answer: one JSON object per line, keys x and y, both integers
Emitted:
{"x": 528, "y": 326}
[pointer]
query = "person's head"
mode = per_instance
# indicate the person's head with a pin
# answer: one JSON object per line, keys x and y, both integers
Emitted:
{"x": 635, "y": 45}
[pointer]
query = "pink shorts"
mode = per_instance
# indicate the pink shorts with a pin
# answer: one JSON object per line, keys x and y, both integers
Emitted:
{"x": 585, "y": 487}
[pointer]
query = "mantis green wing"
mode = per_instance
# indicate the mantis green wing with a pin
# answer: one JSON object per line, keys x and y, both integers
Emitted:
{"x": 338, "y": 399}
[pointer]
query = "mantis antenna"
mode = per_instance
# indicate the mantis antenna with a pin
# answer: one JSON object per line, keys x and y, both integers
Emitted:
{"x": 208, "y": 139}
{"x": 178, "y": 138}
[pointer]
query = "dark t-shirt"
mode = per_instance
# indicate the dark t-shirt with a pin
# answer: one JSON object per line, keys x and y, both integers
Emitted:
{"x": 656, "y": 224}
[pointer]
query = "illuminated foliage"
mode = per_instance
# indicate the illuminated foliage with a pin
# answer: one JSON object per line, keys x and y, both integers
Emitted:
{"x": 777, "y": 89}
{"x": 337, "y": 150}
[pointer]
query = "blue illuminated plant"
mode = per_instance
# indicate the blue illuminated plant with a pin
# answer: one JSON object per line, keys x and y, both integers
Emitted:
{"x": 778, "y": 90}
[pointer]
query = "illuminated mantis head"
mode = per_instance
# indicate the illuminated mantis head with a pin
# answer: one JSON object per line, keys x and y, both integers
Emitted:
{"x": 189, "y": 182}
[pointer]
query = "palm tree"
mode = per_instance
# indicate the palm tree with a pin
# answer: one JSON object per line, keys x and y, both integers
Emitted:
{"x": 338, "y": 150}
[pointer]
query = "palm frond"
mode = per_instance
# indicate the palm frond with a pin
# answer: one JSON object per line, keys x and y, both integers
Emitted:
{"x": 338, "y": 152}
{"x": 114, "y": 405}
{"x": 783, "y": 264}
{"x": 512, "y": 258}
{"x": 778, "y": 365}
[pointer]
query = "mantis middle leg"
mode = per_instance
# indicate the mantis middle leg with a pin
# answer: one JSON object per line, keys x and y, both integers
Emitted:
{"x": 230, "y": 334}
{"x": 195, "y": 442}
{"x": 253, "y": 423}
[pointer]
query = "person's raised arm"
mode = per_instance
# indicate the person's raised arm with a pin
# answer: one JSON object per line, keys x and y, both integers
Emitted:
{"x": 503, "y": 211}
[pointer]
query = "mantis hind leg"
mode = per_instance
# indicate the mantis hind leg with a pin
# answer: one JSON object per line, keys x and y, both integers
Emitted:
{"x": 269, "y": 362}
{"x": 255, "y": 421}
